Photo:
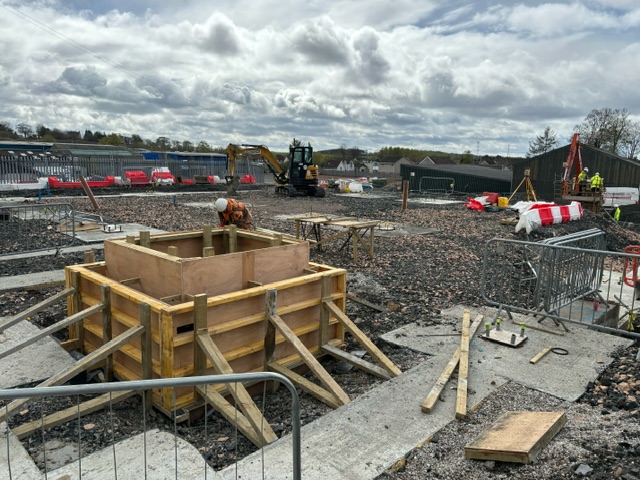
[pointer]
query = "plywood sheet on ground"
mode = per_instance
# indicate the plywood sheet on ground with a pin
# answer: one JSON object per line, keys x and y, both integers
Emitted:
{"x": 516, "y": 437}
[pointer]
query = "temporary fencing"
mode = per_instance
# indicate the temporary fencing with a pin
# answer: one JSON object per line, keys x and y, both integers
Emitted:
{"x": 567, "y": 279}
{"x": 33, "y": 227}
{"x": 144, "y": 468}
{"x": 436, "y": 185}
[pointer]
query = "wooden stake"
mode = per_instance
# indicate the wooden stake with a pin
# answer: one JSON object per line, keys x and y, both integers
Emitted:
{"x": 200, "y": 326}
{"x": 89, "y": 257}
{"x": 463, "y": 369}
{"x": 207, "y": 236}
{"x": 145, "y": 238}
{"x": 146, "y": 351}
{"x": 107, "y": 334}
{"x": 405, "y": 194}
{"x": 87, "y": 190}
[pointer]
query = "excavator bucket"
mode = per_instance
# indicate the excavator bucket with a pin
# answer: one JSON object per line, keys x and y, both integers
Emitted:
{"x": 232, "y": 185}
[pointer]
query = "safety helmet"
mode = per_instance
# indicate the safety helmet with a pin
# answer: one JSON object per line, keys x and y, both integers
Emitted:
{"x": 586, "y": 169}
{"x": 597, "y": 174}
{"x": 615, "y": 206}
{"x": 221, "y": 204}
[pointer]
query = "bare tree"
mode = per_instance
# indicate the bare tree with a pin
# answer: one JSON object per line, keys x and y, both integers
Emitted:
{"x": 604, "y": 128}
{"x": 24, "y": 129}
{"x": 630, "y": 144}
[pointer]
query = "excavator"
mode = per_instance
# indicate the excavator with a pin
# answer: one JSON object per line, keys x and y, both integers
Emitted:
{"x": 302, "y": 178}
{"x": 572, "y": 190}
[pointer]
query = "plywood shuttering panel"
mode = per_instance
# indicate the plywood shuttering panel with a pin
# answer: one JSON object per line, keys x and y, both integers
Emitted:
{"x": 187, "y": 247}
{"x": 160, "y": 276}
{"x": 238, "y": 325}
{"x": 280, "y": 263}
{"x": 125, "y": 308}
{"x": 215, "y": 275}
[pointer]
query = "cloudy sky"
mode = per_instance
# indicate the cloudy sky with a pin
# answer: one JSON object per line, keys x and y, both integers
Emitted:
{"x": 485, "y": 76}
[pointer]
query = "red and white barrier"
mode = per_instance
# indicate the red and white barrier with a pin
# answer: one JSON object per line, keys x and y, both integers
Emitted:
{"x": 540, "y": 215}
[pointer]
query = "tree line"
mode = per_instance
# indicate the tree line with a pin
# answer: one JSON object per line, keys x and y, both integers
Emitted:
{"x": 41, "y": 133}
{"x": 609, "y": 129}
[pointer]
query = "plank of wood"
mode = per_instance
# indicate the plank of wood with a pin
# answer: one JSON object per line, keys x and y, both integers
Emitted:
{"x": 516, "y": 437}
{"x": 305, "y": 385}
{"x": 145, "y": 238}
{"x": 88, "y": 361}
{"x": 71, "y": 413}
{"x": 432, "y": 397}
{"x": 313, "y": 364}
{"x": 356, "y": 362}
{"x": 107, "y": 328}
{"x": 363, "y": 340}
{"x": 463, "y": 368}
{"x": 9, "y": 322}
{"x": 323, "y": 327}
{"x": 366, "y": 303}
{"x": 539, "y": 356}
{"x": 146, "y": 350}
{"x": 45, "y": 332}
{"x": 228, "y": 411}
{"x": 238, "y": 391}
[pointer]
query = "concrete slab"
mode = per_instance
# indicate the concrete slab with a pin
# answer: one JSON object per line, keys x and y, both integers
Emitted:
{"x": 20, "y": 368}
{"x": 367, "y": 436}
{"x": 52, "y": 251}
{"x": 14, "y": 458}
{"x": 32, "y": 281}
{"x": 168, "y": 458}
{"x": 563, "y": 376}
{"x": 125, "y": 229}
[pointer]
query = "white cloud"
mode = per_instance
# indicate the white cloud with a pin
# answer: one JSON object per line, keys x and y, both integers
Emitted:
{"x": 414, "y": 73}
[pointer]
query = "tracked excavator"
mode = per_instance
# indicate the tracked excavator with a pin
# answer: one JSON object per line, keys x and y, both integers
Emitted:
{"x": 302, "y": 178}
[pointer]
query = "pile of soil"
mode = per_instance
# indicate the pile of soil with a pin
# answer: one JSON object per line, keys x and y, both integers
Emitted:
{"x": 414, "y": 275}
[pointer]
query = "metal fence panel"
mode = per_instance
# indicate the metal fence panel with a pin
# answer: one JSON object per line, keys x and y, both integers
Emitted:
{"x": 33, "y": 227}
{"x": 145, "y": 387}
{"x": 569, "y": 279}
{"x": 436, "y": 184}
{"x": 28, "y": 168}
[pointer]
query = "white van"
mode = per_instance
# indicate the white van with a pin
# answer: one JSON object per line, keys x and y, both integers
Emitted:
{"x": 620, "y": 196}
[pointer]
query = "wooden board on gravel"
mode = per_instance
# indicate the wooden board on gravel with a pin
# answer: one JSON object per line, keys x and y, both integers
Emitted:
{"x": 516, "y": 437}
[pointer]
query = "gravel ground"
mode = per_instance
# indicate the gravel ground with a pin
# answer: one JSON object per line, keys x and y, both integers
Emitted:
{"x": 416, "y": 276}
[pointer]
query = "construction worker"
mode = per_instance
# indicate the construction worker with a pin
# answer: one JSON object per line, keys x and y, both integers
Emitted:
{"x": 596, "y": 183}
{"x": 616, "y": 213}
{"x": 583, "y": 178}
{"x": 233, "y": 212}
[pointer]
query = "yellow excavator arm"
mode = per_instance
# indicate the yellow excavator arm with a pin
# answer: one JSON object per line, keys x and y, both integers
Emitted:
{"x": 272, "y": 162}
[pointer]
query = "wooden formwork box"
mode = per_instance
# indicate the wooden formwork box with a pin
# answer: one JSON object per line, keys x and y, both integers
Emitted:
{"x": 236, "y": 280}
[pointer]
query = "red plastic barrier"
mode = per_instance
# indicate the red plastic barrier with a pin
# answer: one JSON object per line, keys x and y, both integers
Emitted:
{"x": 491, "y": 197}
{"x": 248, "y": 179}
{"x": 137, "y": 178}
{"x": 107, "y": 182}
{"x": 474, "y": 204}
